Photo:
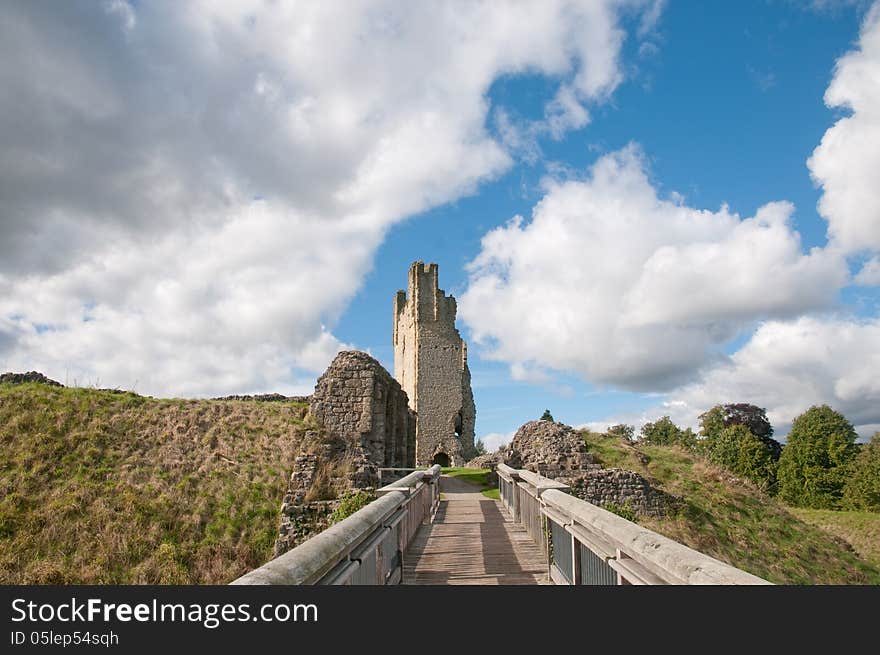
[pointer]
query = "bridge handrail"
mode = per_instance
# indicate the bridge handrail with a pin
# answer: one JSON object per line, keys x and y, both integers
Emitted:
{"x": 359, "y": 548}
{"x": 596, "y": 546}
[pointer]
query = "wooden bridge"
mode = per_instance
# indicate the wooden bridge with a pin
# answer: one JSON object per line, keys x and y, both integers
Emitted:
{"x": 536, "y": 534}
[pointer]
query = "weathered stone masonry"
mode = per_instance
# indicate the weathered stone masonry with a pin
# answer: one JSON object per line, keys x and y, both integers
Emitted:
{"x": 366, "y": 421}
{"x": 430, "y": 362}
{"x": 557, "y": 451}
{"x": 357, "y": 400}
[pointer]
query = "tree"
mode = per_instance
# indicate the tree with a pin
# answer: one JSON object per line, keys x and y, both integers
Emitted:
{"x": 480, "y": 448}
{"x": 664, "y": 432}
{"x": 742, "y": 453}
{"x": 622, "y": 431}
{"x": 862, "y": 488}
{"x": 816, "y": 460}
{"x": 751, "y": 416}
{"x": 547, "y": 416}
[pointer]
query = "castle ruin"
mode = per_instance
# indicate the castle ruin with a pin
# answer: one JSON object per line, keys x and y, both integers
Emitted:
{"x": 430, "y": 363}
{"x": 357, "y": 400}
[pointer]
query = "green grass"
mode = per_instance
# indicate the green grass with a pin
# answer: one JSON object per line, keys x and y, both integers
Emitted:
{"x": 478, "y": 477}
{"x": 474, "y": 476}
{"x": 859, "y": 529}
{"x": 108, "y": 488}
{"x": 733, "y": 521}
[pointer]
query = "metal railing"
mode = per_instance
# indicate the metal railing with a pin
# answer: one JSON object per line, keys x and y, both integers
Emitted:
{"x": 365, "y": 548}
{"x": 587, "y": 545}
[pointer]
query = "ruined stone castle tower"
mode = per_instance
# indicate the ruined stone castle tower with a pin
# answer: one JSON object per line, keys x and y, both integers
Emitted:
{"x": 430, "y": 363}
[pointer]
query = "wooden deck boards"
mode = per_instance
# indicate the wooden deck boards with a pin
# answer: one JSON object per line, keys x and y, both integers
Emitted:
{"x": 472, "y": 541}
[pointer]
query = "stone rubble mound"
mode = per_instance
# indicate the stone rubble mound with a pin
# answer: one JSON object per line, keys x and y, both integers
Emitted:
{"x": 557, "y": 451}
{"x": 30, "y": 376}
{"x": 550, "y": 449}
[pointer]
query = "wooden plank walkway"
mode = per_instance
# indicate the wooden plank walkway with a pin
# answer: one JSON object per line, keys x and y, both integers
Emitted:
{"x": 472, "y": 541}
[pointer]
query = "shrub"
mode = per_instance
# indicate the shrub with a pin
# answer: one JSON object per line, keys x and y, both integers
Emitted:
{"x": 664, "y": 432}
{"x": 744, "y": 454}
{"x": 862, "y": 488}
{"x": 817, "y": 459}
{"x": 624, "y": 511}
{"x": 751, "y": 416}
{"x": 350, "y": 502}
{"x": 547, "y": 416}
{"x": 622, "y": 431}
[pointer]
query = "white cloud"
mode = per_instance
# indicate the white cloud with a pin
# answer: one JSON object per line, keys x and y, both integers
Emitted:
{"x": 495, "y": 440}
{"x": 626, "y": 288}
{"x": 192, "y": 192}
{"x": 786, "y": 367}
{"x": 869, "y": 275}
{"x": 846, "y": 162}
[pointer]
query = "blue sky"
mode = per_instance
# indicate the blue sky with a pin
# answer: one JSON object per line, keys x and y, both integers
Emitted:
{"x": 727, "y": 108}
{"x": 217, "y": 200}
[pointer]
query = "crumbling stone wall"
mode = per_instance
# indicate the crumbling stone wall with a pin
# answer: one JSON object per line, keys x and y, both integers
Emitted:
{"x": 300, "y": 519}
{"x": 357, "y": 400}
{"x": 550, "y": 449}
{"x": 558, "y": 452}
{"x": 622, "y": 489}
{"x": 30, "y": 376}
{"x": 430, "y": 362}
{"x": 365, "y": 424}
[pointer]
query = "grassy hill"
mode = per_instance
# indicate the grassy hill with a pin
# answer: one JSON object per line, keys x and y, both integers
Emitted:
{"x": 99, "y": 487}
{"x": 733, "y": 521}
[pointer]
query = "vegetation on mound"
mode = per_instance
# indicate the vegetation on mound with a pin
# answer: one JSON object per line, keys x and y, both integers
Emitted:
{"x": 732, "y": 520}
{"x": 351, "y": 502}
{"x": 817, "y": 458}
{"x": 862, "y": 489}
{"x": 115, "y": 488}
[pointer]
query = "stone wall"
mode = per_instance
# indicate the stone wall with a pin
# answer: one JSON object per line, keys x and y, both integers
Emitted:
{"x": 300, "y": 519}
{"x": 30, "y": 376}
{"x": 558, "y": 452}
{"x": 550, "y": 449}
{"x": 358, "y": 401}
{"x": 430, "y": 362}
{"x": 365, "y": 424}
{"x": 619, "y": 488}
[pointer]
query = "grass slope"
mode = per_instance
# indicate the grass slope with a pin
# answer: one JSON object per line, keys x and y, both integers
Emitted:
{"x": 113, "y": 488}
{"x": 731, "y": 520}
{"x": 859, "y": 529}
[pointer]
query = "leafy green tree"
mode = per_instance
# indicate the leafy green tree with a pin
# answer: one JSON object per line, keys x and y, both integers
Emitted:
{"x": 751, "y": 416}
{"x": 817, "y": 459}
{"x": 479, "y": 448}
{"x": 742, "y": 453}
{"x": 622, "y": 431}
{"x": 862, "y": 488}
{"x": 664, "y": 432}
{"x": 547, "y": 416}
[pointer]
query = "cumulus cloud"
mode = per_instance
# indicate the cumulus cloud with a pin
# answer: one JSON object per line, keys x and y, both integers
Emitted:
{"x": 786, "y": 367}
{"x": 846, "y": 162}
{"x": 869, "y": 275}
{"x": 611, "y": 281}
{"x": 494, "y": 440}
{"x": 192, "y": 193}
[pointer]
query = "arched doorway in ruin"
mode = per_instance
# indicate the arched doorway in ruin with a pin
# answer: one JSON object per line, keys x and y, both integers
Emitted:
{"x": 440, "y": 458}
